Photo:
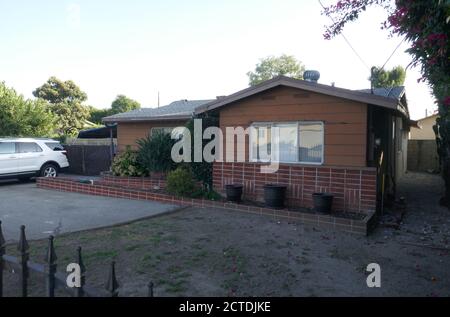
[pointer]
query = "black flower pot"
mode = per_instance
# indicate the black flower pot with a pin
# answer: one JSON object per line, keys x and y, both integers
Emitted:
{"x": 322, "y": 202}
{"x": 234, "y": 192}
{"x": 274, "y": 195}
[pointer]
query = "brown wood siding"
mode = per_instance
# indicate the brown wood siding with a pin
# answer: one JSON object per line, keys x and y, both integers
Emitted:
{"x": 129, "y": 132}
{"x": 345, "y": 121}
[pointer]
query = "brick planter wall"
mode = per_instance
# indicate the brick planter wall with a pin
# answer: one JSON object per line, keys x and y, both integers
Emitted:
{"x": 144, "y": 183}
{"x": 360, "y": 227}
{"x": 354, "y": 189}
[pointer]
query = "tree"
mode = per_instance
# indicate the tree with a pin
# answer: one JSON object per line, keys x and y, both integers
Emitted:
{"x": 425, "y": 24}
{"x": 96, "y": 115}
{"x": 66, "y": 102}
{"x": 271, "y": 67}
{"x": 23, "y": 117}
{"x": 155, "y": 152}
{"x": 388, "y": 78}
{"x": 124, "y": 104}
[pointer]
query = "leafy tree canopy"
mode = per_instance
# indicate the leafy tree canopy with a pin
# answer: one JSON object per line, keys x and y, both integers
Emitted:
{"x": 123, "y": 104}
{"x": 271, "y": 67}
{"x": 23, "y": 117}
{"x": 388, "y": 78}
{"x": 66, "y": 102}
{"x": 57, "y": 91}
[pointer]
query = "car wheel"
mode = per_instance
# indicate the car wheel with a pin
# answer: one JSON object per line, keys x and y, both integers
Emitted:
{"x": 49, "y": 170}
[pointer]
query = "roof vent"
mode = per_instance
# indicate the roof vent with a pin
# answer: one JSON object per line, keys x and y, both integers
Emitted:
{"x": 311, "y": 75}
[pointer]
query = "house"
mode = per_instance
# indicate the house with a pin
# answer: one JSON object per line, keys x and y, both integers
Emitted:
{"x": 350, "y": 143}
{"x": 137, "y": 124}
{"x": 424, "y": 129}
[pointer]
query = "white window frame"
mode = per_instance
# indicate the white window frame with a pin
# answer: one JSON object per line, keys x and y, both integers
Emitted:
{"x": 256, "y": 125}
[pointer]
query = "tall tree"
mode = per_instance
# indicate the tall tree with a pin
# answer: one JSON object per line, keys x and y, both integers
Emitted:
{"x": 66, "y": 102}
{"x": 425, "y": 24}
{"x": 123, "y": 104}
{"x": 388, "y": 78}
{"x": 96, "y": 115}
{"x": 24, "y": 117}
{"x": 271, "y": 67}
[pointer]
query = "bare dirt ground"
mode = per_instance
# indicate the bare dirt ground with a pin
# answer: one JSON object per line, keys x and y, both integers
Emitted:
{"x": 204, "y": 252}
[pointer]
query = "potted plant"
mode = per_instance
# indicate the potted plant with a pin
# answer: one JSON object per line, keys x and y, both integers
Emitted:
{"x": 322, "y": 202}
{"x": 234, "y": 192}
{"x": 274, "y": 195}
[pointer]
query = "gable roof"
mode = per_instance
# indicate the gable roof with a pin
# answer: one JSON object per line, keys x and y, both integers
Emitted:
{"x": 177, "y": 110}
{"x": 384, "y": 97}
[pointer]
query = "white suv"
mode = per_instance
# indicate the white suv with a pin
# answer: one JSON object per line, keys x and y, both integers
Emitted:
{"x": 24, "y": 158}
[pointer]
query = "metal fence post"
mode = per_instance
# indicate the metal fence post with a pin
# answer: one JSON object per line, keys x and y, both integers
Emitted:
{"x": 150, "y": 289}
{"x": 2, "y": 252}
{"x": 50, "y": 259}
{"x": 112, "y": 285}
{"x": 80, "y": 290}
{"x": 23, "y": 249}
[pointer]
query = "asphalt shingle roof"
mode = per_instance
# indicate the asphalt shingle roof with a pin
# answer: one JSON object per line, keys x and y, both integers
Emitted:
{"x": 180, "y": 108}
{"x": 184, "y": 109}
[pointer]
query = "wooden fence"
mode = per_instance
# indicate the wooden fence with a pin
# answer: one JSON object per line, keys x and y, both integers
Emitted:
{"x": 423, "y": 156}
{"x": 53, "y": 278}
{"x": 88, "y": 159}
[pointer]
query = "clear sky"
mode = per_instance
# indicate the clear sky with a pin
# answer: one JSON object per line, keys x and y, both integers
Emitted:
{"x": 196, "y": 49}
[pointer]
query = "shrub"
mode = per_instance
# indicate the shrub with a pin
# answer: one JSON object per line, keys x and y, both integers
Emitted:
{"x": 126, "y": 164}
{"x": 202, "y": 170}
{"x": 154, "y": 152}
{"x": 181, "y": 182}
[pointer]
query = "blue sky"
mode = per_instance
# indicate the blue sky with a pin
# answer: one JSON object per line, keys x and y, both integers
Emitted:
{"x": 185, "y": 49}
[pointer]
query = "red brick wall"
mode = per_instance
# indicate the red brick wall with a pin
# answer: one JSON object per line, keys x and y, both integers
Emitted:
{"x": 133, "y": 182}
{"x": 354, "y": 188}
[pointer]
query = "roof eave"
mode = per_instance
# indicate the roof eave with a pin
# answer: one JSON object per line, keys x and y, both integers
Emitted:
{"x": 141, "y": 119}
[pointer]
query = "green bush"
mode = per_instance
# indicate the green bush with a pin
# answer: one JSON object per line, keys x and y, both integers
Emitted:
{"x": 202, "y": 170}
{"x": 154, "y": 152}
{"x": 181, "y": 182}
{"x": 126, "y": 164}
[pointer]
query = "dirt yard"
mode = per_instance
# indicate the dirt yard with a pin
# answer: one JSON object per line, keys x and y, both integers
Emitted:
{"x": 203, "y": 252}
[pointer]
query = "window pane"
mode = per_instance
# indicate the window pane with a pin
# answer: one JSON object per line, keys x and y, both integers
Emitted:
{"x": 7, "y": 147}
{"x": 287, "y": 143}
{"x": 28, "y": 147}
{"x": 254, "y": 143}
{"x": 264, "y": 143}
{"x": 311, "y": 142}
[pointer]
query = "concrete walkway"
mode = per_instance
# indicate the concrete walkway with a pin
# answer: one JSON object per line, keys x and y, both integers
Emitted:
{"x": 45, "y": 212}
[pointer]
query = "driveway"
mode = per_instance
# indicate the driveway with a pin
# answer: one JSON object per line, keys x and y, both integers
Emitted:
{"x": 46, "y": 212}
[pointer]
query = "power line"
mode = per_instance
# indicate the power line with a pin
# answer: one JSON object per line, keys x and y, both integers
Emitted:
{"x": 395, "y": 50}
{"x": 347, "y": 41}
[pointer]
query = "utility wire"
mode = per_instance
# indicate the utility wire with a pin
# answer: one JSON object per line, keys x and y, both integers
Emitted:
{"x": 395, "y": 50}
{"x": 347, "y": 41}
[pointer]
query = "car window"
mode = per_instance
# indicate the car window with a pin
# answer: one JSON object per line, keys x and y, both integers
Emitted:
{"x": 55, "y": 146}
{"x": 28, "y": 147}
{"x": 7, "y": 147}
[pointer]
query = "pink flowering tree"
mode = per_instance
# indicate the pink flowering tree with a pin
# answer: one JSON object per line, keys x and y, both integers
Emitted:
{"x": 425, "y": 24}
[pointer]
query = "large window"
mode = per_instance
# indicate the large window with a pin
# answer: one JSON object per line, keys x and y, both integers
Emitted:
{"x": 293, "y": 142}
{"x": 176, "y": 133}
